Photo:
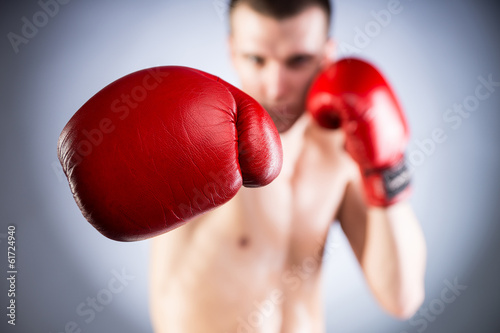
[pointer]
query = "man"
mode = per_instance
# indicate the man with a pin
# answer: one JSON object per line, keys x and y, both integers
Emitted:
{"x": 168, "y": 149}
{"x": 254, "y": 263}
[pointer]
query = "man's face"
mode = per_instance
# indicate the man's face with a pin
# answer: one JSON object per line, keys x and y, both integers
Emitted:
{"x": 276, "y": 60}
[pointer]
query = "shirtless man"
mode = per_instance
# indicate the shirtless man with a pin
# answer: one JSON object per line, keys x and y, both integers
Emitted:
{"x": 167, "y": 149}
{"x": 254, "y": 263}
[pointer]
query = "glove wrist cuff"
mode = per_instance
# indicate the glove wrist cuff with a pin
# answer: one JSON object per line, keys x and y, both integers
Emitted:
{"x": 387, "y": 186}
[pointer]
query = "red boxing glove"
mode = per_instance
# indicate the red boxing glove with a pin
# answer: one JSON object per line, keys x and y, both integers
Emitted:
{"x": 160, "y": 146}
{"x": 353, "y": 95}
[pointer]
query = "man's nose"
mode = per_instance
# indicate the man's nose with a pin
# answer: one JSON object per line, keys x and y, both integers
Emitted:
{"x": 276, "y": 82}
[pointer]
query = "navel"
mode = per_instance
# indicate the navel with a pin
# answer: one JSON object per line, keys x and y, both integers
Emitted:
{"x": 244, "y": 241}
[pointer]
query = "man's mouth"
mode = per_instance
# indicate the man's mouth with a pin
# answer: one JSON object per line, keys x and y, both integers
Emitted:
{"x": 283, "y": 112}
{"x": 283, "y": 116}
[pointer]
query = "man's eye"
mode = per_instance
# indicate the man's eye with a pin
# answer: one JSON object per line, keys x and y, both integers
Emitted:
{"x": 256, "y": 60}
{"x": 299, "y": 61}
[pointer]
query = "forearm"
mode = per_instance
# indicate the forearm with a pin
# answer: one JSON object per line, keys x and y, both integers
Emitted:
{"x": 394, "y": 258}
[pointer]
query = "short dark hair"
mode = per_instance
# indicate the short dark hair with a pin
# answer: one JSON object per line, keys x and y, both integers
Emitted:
{"x": 281, "y": 9}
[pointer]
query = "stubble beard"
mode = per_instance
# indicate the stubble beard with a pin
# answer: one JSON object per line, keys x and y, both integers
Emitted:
{"x": 284, "y": 116}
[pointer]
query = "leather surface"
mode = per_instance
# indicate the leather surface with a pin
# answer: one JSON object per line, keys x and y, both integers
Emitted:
{"x": 353, "y": 94}
{"x": 160, "y": 146}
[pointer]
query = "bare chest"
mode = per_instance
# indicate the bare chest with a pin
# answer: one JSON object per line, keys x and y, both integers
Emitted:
{"x": 295, "y": 211}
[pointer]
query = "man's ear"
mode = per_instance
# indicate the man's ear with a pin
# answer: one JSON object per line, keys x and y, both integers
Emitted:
{"x": 330, "y": 52}
{"x": 231, "y": 48}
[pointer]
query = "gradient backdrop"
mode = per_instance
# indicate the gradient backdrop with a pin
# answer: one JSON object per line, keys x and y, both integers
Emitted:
{"x": 434, "y": 52}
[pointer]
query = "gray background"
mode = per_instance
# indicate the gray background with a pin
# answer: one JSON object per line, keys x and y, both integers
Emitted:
{"x": 433, "y": 52}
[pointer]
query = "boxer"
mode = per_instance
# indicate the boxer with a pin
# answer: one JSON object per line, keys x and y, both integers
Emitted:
{"x": 238, "y": 189}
